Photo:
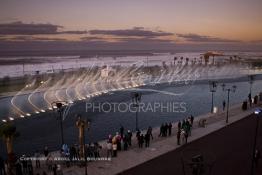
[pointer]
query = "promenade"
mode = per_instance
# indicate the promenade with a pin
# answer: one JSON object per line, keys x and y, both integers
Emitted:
{"x": 159, "y": 145}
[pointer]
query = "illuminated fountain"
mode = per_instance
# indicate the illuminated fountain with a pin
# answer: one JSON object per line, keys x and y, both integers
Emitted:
{"x": 96, "y": 80}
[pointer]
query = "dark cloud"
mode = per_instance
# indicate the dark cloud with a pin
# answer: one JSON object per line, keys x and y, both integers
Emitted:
{"x": 79, "y": 32}
{"x": 144, "y": 40}
{"x": 92, "y": 38}
{"x": 134, "y": 32}
{"x": 20, "y": 28}
{"x": 25, "y": 38}
{"x": 47, "y": 39}
{"x": 202, "y": 38}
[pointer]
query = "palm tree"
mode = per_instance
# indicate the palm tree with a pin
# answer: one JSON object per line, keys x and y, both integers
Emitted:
{"x": 187, "y": 60}
{"x": 8, "y": 133}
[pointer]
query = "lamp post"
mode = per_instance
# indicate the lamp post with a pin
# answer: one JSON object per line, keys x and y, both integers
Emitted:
{"x": 81, "y": 125}
{"x": 213, "y": 89}
{"x": 230, "y": 89}
{"x": 136, "y": 98}
{"x": 251, "y": 81}
{"x": 257, "y": 113}
{"x": 58, "y": 105}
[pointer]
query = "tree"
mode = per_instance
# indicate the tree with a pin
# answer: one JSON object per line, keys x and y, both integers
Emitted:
{"x": 8, "y": 133}
{"x": 6, "y": 80}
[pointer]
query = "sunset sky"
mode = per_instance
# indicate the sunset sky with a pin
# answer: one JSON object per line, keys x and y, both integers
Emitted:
{"x": 131, "y": 21}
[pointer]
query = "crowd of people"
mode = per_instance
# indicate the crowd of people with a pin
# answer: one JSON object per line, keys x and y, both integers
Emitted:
{"x": 184, "y": 130}
{"x": 122, "y": 140}
{"x": 165, "y": 130}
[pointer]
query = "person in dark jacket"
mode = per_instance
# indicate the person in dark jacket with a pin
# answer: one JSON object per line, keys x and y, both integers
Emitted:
{"x": 179, "y": 125}
{"x": 161, "y": 133}
{"x": 178, "y": 136}
{"x": 121, "y": 131}
{"x": 192, "y": 119}
{"x": 141, "y": 141}
{"x": 2, "y": 166}
{"x": 169, "y": 129}
{"x": 149, "y": 131}
{"x": 147, "y": 139}
{"x": 18, "y": 168}
{"x": 129, "y": 138}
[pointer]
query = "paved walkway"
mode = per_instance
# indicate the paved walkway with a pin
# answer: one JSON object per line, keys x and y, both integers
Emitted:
{"x": 160, "y": 145}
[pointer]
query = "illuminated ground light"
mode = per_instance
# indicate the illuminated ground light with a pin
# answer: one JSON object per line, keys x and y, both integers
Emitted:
{"x": 22, "y": 116}
{"x": 50, "y": 108}
{"x": 37, "y": 112}
{"x": 4, "y": 120}
{"x": 88, "y": 96}
{"x": 71, "y": 102}
{"x": 11, "y": 118}
{"x": 28, "y": 114}
{"x": 42, "y": 110}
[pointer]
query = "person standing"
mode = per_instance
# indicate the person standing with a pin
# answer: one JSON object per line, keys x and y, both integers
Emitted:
{"x": 138, "y": 133}
{"x": 161, "y": 133}
{"x": 169, "y": 129}
{"x": 165, "y": 130}
{"x": 46, "y": 152}
{"x": 129, "y": 133}
{"x": 186, "y": 136}
{"x": 54, "y": 169}
{"x": 109, "y": 149}
{"x": 149, "y": 131}
{"x": 114, "y": 146}
{"x": 118, "y": 141}
{"x": 179, "y": 125}
{"x": 178, "y": 136}
{"x": 24, "y": 165}
{"x": 121, "y": 131}
{"x": 147, "y": 139}
{"x": 141, "y": 141}
{"x": 224, "y": 105}
{"x": 37, "y": 161}
{"x": 192, "y": 119}
{"x": 125, "y": 140}
{"x": 18, "y": 168}
{"x": 30, "y": 168}
{"x": 2, "y": 166}
{"x": 97, "y": 148}
{"x": 183, "y": 124}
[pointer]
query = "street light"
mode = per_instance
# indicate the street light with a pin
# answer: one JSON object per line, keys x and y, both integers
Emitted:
{"x": 257, "y": 113}
{"x": 136, "y": 98}
{"x": 230, "y": 89}
{"x": 58, "y": 105}
{"x": 213, "y": 89}
{"x": 82, "y": 124}
{"x": 251, "y": 81}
